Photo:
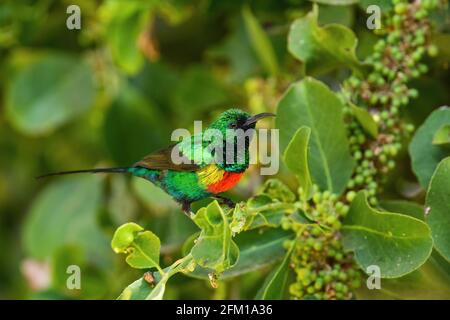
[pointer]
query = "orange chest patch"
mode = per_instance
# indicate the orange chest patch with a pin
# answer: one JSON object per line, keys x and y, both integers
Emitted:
{"x": 228, "y": 181}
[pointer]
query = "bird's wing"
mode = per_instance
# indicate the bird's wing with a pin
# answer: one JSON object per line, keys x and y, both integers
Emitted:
{"x": 162, "y": 160}
{"x": 187, "y": 155}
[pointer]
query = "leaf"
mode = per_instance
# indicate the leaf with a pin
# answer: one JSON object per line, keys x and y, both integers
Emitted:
{"x": 430, "y": 281}
{"x": 263, "y": 214}
{"x": 344, "y": 15}
{"x": 411, "y": 209}
{"x": 138, "y": 290}
{"x": 258, "y": 249}
{"x": 142, "y": 247}
{"x": 124, "y": 22}
{"x": 424, "y": 155}
{"x": 365, "y": 119}
{"x": 141, "y": 289}
{"x": 322, "y": 48}
{"x": 274, "y": 286}
{"x": 438, "y": 208}
{"x": 396, "y": 243}
{"x": 277, "y": 190}
{"x": 48, "y": 93}
{"x": 260, "y": 211}
{"x": 296, "y": 159}
{"x": 442, "y": 136}
{"x": 65, "y": 213}
{"x": 260, "y": 41}
{"x": 214, "y": 247}
{"x": 310, "y": 103}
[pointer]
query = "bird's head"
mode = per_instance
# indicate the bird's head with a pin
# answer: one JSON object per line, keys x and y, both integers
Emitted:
{"x": 233, "y": 159}
{"x": 237, "y": 119}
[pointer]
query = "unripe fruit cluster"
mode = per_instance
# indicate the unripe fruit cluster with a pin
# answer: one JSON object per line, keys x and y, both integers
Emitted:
{"x": 395, "y": 61}
{"x": 323, "y": 270}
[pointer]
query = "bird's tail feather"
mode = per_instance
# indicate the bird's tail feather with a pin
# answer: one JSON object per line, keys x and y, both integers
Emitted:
{"x": 99, "y": 170}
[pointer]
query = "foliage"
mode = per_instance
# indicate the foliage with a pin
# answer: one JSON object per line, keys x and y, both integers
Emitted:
{"x": 358, "y": 187}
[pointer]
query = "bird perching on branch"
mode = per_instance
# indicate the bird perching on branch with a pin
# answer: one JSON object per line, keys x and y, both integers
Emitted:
{"x": 195, "y": 169}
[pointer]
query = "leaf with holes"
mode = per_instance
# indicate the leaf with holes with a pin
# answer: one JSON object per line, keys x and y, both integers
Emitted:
{"x": 322, "y": 49}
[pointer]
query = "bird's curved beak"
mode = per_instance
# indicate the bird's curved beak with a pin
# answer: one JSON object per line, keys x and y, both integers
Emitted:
{"x": 258, "y": 117}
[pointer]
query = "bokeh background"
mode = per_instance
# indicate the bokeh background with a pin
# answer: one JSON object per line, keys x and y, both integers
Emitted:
{"x": 110, "y": 93}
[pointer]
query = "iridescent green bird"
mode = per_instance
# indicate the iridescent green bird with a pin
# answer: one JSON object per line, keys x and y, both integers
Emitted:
{"x": 195, "y": 178}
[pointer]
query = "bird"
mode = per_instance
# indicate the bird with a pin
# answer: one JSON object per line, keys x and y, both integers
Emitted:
{"x": 195, "y": 177}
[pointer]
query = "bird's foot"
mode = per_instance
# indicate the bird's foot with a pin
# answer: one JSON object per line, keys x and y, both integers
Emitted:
{"x": 186, "y": 207}
{"x": 228, "y": 202}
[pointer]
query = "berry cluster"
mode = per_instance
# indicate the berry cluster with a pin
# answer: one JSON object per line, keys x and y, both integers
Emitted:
{"x": 395, "y": 61}
{"x": 323, "y": 270}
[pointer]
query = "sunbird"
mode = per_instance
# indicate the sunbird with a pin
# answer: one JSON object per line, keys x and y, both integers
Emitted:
{"x": 195, "y": 178}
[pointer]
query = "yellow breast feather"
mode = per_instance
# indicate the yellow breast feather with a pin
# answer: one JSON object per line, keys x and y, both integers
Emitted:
{"x": 210, "y": 174}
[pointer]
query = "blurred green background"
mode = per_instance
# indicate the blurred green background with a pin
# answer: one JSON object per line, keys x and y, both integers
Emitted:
{"x": 110, "y": 93}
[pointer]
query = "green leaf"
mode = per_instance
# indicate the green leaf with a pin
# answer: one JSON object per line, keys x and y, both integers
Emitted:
{"x": 310, "y": 103}
{"x": 430, "y": 281}
{"x": 261, "y": 210}
{"x": 274, "y": 287}
{"x": 261, "y": 42}
{"x": 141, "y": 289}
{"x": 365, "y": 119}
{"x": 142, "y": 247}
{"x": 296, "y": 159}
{"x": 396, "y": 243}
{"x": 138, "y": 290}
{"x": 124, "y": 22}
{"x": 344, "y": 15}
{"x": 442, "y": 136}
{"x": 322, "y": 48}
{"x": 438, "y": 208}
{"x": 424, "y": 155}
{"x": 265, "y": 212}
{"x": 48, "y": 93}
{"x": 214, "y": 247}
{"x": 411, "y": 209}
{"x": 65, "y": 213}
{"x": 258, "y": 249}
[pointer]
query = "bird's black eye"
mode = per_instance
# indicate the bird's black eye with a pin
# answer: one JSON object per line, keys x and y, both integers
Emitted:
{"x": 233, "y": 125}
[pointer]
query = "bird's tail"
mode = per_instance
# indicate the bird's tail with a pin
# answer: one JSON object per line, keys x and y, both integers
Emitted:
{"x": 99, "y": 170}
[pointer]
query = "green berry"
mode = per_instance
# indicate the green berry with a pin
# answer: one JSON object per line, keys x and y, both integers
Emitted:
{"x": 432, "y": 50}
{"x": 350, "y": 196}
{"x": 400, "y": 8}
